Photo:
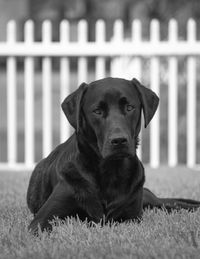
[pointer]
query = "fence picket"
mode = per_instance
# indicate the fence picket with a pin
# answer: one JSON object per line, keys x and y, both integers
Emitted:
{"x": 136, "y": 66}
{"x": 116, "y": 66}
{"x": 11, "y": 96}
{"x": 154, "y": 82}
{"x": 29, "y": 96}
{"x": 82, "y": 61}
{"x": 100, "y": 70}
{"x": 173, "y": 99}
{"x": 191, "y": 97}
{"x": 47, "y": 95}
{"x": 136, "y": 39}
{"x": 64, "y": 80}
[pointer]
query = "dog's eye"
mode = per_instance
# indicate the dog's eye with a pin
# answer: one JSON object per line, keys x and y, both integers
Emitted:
{"x": 129, "y": 107}
{"x": 97, "y": 111}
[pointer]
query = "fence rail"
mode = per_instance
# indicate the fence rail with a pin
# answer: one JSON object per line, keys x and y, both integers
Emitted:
{"x": 125, "y": 54}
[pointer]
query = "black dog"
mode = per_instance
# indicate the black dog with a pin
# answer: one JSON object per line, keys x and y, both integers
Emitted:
{"x": 96, "y": 173}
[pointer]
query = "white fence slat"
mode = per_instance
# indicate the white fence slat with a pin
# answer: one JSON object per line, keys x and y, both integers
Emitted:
{"x": 82, "y": 61}
{"x": 173, "y": 99}
{"x": 11, "y": 96}
{"x": 29, "y": 96}
{"x": 136, "y": 66}
{"x": 172, "y": 112}
{"x": 47, "y": 90}
{"x": 136, "y": 39}
{"x": 154, "y": 81}
{"x": 64, "y": 80}
{"x": 117, "y": 63}
{"x": 100, "y": 69}
{"x": 191, "y": 97}
{"x": 107, "y": 49}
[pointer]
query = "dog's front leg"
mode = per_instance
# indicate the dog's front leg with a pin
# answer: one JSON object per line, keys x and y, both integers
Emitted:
{"x": 60, "y": 204}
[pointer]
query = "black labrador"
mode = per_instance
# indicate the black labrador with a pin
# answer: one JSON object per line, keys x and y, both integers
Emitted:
{"x": 96, "y": 173}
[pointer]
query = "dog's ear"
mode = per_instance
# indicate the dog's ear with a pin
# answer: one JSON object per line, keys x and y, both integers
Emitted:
{"x": 149, "y": 101}
{"x": 72, "y": 104}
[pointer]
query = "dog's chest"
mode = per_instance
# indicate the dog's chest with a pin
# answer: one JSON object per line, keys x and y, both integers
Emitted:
{"x": 114, "y": 182}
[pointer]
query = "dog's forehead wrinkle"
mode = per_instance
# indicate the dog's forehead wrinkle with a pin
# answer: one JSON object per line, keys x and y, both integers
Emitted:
{"x": 108, "y": 83}
{"x": 111, "y": 96}
{"x": 109, "y": 93}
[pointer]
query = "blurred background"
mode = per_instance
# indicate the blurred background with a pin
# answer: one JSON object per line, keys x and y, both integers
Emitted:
{"x": 91, "y": 10}
{"x": 30, "y": 120}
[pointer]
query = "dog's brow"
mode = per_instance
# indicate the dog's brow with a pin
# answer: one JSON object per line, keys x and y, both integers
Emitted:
{"x": 123, "y": 100}
{"x": 103, "y": 104}
{"x": 100, "y": 104}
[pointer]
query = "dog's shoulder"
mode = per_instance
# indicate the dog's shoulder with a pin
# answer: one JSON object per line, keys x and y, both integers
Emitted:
{"x": 63, "y": 153}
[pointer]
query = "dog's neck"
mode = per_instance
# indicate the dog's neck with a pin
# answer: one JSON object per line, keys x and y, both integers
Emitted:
{"x": 88, "y": 152}
{"x": 120, "y": 177}
{"x": 106, "y": 168}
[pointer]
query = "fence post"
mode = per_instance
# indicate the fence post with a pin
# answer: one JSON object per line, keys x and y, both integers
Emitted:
{"x": 47, "y": 90}
{"x": 154, "y": 81}
{"x": 82, "y": 61}
{"x": 173, "y": 98}
{"x": 136, "y": 66}
{"x": 64, "y": 80}
{"x": 100, "y": 37}
{"x": 191, "y": 97}
{"x": 116, "y": 69}
{"x": 29, "y": 96}
{"x": 11, "y": 96}
{"x": 136, "y": 40}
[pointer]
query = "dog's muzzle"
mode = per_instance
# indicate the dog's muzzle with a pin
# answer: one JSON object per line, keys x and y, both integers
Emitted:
{"x": 116, "y": 146}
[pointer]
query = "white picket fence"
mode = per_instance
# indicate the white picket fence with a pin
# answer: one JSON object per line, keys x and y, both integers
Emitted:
{"x": 126, "y": 61}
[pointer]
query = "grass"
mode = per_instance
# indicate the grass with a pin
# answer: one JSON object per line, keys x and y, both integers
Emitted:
{"x": 159, "y": 235}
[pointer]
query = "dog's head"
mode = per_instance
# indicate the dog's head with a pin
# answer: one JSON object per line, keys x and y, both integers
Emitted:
{"x": 108, "y": 113}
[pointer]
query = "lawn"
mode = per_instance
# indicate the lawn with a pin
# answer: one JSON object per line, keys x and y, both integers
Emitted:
{"x": 159, "y": 235}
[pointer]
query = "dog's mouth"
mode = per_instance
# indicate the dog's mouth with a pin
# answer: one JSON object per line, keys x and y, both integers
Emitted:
{"x": 118, "y": 155}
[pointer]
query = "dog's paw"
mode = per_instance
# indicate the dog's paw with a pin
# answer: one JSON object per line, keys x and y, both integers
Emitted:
{"x": 37, "y": 227}
{"x": 94, "y": 209}
{"x": 34, "y": 228}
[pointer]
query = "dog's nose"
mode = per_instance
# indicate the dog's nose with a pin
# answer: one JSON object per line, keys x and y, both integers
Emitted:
{"x": 119, "y": 141}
